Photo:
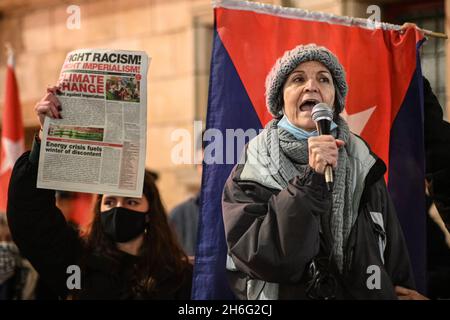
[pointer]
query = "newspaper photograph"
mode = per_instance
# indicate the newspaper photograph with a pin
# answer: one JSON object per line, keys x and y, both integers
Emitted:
{"x": 99, "y": 145}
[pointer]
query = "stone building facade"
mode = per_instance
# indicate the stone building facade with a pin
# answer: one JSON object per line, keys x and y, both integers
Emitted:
{"x": 175, "y": 33}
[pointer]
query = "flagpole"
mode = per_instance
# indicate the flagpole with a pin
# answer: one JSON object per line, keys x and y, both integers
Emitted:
{"x": 9, "y": 53}
{"x": 294, "y": 12}
{"x": 433, "y": 34}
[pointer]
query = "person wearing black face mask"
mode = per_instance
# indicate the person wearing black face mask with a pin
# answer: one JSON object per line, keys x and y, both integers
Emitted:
{"x": 129, "y": 252}
{"x": 123, "y": 224}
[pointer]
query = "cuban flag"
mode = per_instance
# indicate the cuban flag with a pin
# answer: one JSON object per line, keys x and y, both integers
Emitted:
{"x": 384, "y": 105}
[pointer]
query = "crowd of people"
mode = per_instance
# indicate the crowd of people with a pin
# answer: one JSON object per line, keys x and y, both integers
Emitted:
{"x": 288, "y": 235}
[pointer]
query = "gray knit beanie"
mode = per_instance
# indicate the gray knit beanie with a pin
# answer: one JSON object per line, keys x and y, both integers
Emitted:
{"x": 289, "y": 61}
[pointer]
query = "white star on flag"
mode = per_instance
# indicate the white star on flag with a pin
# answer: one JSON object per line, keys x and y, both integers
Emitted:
{"x": 357, "y": 121}
{"x": 12, "y": 151}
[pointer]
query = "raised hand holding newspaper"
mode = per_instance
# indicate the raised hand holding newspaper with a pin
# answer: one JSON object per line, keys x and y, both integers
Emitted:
{"x": 99, "y": 145}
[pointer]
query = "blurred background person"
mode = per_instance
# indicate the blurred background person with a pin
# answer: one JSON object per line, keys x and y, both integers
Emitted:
{"x": 437, "y": 170}
{"x": 437, "y": 153}
{"x": 17, "y": 277}
{"x": 184, "y": 217}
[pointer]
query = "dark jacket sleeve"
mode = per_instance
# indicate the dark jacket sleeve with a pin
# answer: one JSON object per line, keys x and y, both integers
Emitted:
{"x": 436, "y": 132}
{"x": 273, "y": 236}
{"x": 439, "y": 188}
{"x": 437, "y": 151}
{"x": 38, "y": 227}
{"x": 396, "y": 255}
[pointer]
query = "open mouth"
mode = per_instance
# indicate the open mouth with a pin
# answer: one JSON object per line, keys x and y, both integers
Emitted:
{"x": 308, "y": 104}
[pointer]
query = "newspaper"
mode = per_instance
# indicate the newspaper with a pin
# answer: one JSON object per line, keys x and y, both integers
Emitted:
{"x": 99, "y": 145}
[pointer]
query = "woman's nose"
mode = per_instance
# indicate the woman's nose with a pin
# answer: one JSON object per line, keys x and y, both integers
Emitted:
{"x": 120, "y": 203}
{"x": 311, "y": 85}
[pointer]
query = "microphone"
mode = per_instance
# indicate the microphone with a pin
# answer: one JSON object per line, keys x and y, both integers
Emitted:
{"x": 322, "y": 115}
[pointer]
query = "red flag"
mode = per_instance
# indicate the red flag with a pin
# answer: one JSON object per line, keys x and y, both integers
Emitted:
{"x": 82, "y": 209}
{"x": 12, "y": 143}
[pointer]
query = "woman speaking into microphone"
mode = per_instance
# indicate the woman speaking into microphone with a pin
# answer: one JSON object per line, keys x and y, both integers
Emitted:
{"x": 288, "y": 235}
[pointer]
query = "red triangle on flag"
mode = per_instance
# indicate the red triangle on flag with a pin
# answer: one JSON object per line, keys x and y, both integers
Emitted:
{"x": 379, "y": 64}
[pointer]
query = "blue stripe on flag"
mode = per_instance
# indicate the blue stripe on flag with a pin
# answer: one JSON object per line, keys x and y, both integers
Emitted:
{"x": 225, "y": 111}
{"x": 407, "y": 173}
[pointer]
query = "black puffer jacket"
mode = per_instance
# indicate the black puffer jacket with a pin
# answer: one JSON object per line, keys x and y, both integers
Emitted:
{"x": 437, "y": 153}
{"x": 51, "y": 245}
{"x": 273, "y": 236}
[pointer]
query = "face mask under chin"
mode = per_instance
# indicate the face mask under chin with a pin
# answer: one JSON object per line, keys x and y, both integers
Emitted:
{"x": 122, "y": 224}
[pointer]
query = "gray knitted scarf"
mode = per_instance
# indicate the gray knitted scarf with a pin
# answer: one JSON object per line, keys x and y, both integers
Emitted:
{"x": 293, "y": 158}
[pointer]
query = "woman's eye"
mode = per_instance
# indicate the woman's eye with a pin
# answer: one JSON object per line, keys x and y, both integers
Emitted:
{"x": 324, "y": 79}
{"x": 298, "y": 79}
{"x": 108, "y": 203}
{"x": 133, "y": 202}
